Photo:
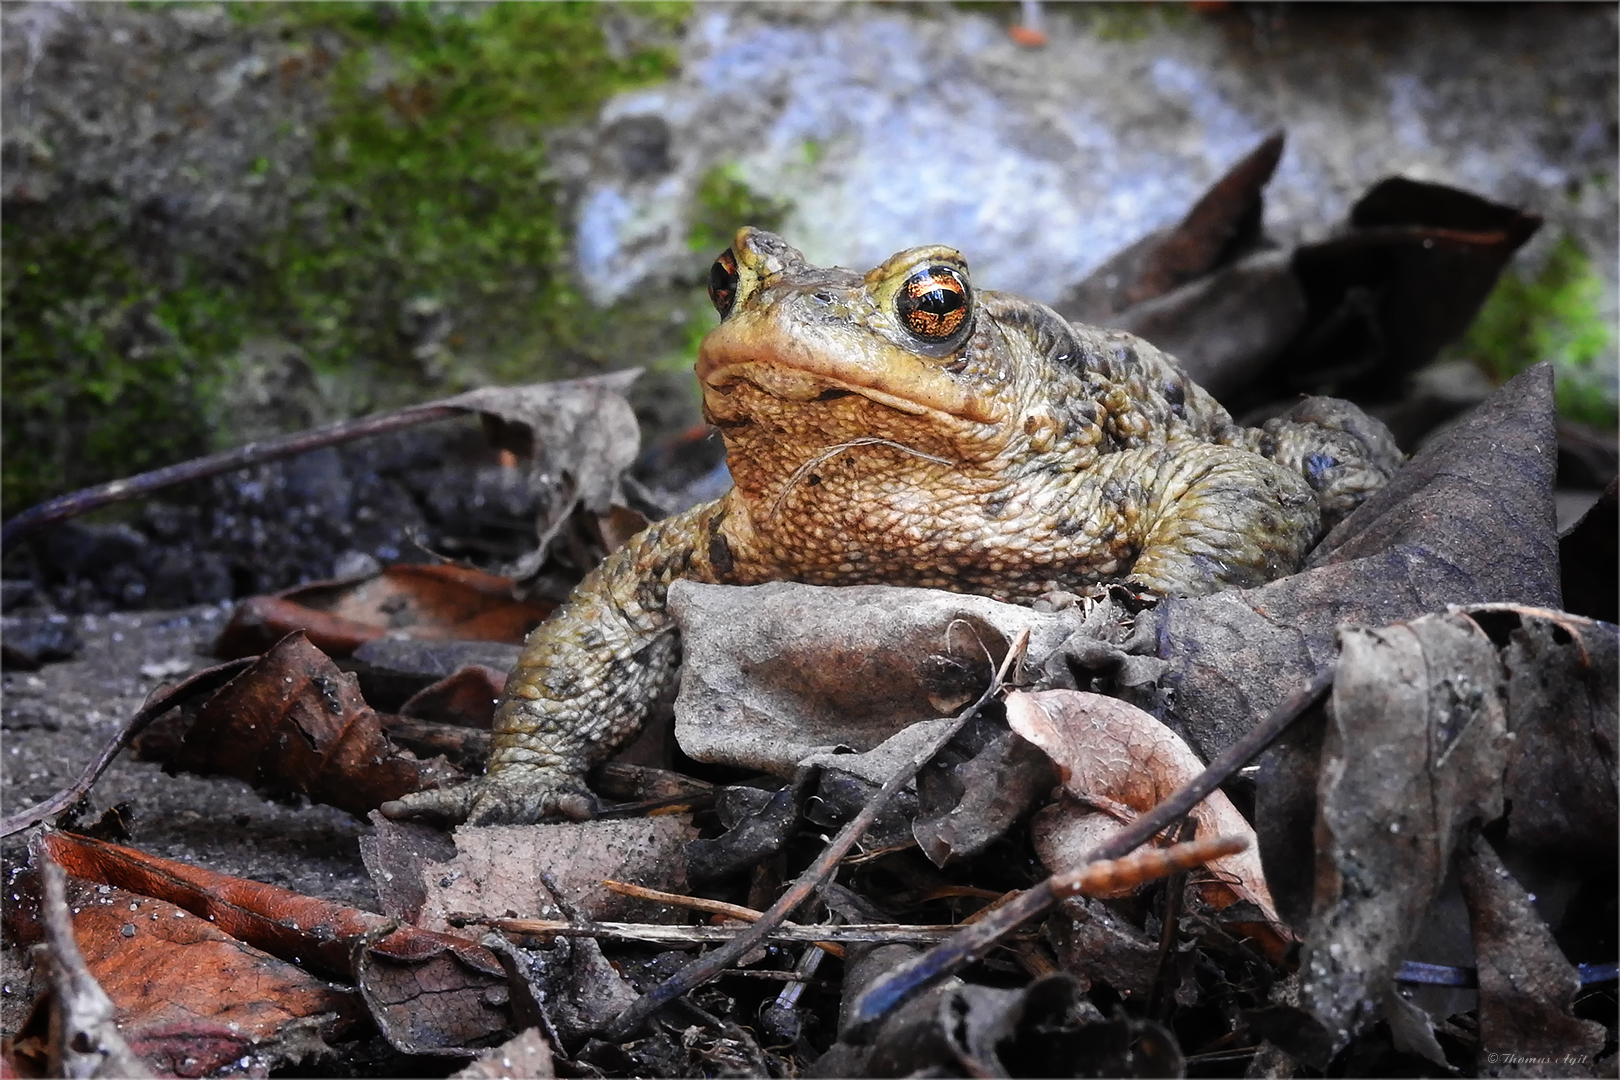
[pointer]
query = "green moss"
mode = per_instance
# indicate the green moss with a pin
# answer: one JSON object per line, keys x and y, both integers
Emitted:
{"x": 725, "y": 203}
{"x": 105, "y": 366}
{"x": 1557, "y": 316}
{"x": 430, "y": 191}
{"x": 436, "y": 180}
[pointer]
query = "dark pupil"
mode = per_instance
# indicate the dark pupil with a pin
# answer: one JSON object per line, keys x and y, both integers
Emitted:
{"x": 723, "y": 283}
{"x": 933, "y": 305}
{"x": 938, "y": 301}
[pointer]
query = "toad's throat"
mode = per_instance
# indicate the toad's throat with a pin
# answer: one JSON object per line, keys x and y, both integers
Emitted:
{"x": 792, "y": 371}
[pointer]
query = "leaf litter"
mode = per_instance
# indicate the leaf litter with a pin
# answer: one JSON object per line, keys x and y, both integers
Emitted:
{"x": 1470, "y": 728}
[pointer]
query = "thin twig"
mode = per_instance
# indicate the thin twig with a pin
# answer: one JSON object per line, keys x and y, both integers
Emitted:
{"x": 1175, "y": 886}
{"x": 699, "y": 903}
{"x": 707, "y": 967}
{"x": 919, "y": 973}
{"x": 159, "y": 702}
{"x": 74, "y": 503}
{"x": 830, "y": 936}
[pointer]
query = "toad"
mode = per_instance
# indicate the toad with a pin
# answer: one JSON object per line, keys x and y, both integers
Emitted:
{"x": 902, "y": 427}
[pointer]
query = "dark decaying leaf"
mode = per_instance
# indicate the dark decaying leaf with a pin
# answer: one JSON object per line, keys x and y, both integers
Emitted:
{"x": 423, "y": 602}
{"x": 427, "y": 992}
{"x": 1468, "y": 520}
{"x": 1285, "y": 815}
{"x": 1227, "y": 328}
{"x": 397, "y": 855}
{"x": 775, "y": 673}
{"x": 467, "y": 697}
{"x": 294, "y": 723}
{"x": 1098, "y": 945}
{"x": 1410, "y": 760}
{"x": 1404, "y": 279}
{"x": 1589, "y": 560}
{"x": 1221, "y": 224}
{"x": 758, "y": 825}
{"x": 190, "y": 999}
{"x": 966, "y": 807}
{"x": 1526, "y": 985}
{"x": 392, "y": 670}
{"x": 1046, "y": 1028}
{"x": 1561, "y": 678}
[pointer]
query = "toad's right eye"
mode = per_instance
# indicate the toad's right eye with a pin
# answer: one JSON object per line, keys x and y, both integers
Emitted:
{"x": 723, "y": 283}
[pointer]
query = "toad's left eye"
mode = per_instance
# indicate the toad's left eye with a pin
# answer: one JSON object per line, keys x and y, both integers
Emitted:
{"x": 723, "y": 283}
{"x": 933, "y": 303}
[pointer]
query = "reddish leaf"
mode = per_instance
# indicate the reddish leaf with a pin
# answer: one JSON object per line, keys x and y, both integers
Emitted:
{"x": 424, "y": 602}
{"x": 302, "y": 929}
{"x": 294, "y": 723}
{"x": 428, "y": 992}
{"x": 189, "y": 998}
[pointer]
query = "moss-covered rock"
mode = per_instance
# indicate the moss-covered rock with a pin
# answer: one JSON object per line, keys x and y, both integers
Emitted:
{"x": 361, "y": 187}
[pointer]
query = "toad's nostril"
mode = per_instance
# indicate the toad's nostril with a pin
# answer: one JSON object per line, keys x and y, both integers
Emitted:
{"x": 822, "y": 297}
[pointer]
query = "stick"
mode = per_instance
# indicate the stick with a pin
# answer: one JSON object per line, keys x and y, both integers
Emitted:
{"x": 74, "y": 503}
{"x": 707, "y": 967}
{"x": 921, "y": 972}
{"x": 700, "y": 903}
{"x": 781, "y": 934}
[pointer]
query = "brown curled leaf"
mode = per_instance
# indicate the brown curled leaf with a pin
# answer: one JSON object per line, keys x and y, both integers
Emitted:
{"x": 422, "y": 602}
{"x": 467, "y": 696}
{"x": 294, "y": 723}
{"x": 1108, "y": 750}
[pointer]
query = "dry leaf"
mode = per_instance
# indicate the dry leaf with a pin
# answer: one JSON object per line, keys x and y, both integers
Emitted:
{"x": 579, "y": 437}
{"x": 497, "y": 869}
{"x": 526, "y": 1056}
{"x": 1469, "y": 520}
{"x": 1107, "y": 749}
{"x": 427, "y": 992}
{"x": 775, "y": 673}
{"x": 1526, "y": 986}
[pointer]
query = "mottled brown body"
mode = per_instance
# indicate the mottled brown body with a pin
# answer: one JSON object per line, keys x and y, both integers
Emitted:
{"x": 898, "y": 428}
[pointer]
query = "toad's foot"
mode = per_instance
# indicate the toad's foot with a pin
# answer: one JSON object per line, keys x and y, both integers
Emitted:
{"x": 516, "y": 795}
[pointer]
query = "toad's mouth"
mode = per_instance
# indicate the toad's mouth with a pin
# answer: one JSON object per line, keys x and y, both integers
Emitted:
{"x": 801, "y": 368}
